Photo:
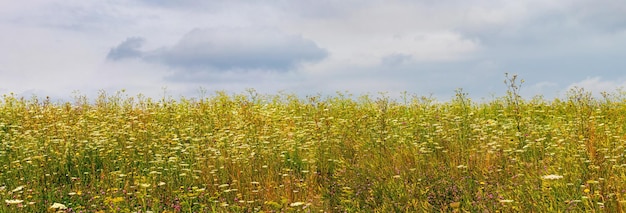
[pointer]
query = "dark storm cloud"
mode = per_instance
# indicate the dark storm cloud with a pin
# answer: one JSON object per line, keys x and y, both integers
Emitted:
{"x": 238, "y": 49}
{"x": 127, "y": 49}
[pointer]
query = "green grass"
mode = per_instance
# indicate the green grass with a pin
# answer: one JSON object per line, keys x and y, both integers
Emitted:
{"x": 281, "y": 153}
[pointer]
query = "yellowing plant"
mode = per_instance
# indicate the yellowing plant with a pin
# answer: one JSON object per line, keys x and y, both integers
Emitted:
{"x": 282, "y": 153}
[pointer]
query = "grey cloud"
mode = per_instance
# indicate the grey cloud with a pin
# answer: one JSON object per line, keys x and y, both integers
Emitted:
{"x": 86, "y": 16}
{"x": 238, "y": 49}
{"x": 547, "y": 26}
{"x": 127, "y": 49}
{"x": 308, "y": 9}
{"x": 603, "y": 15}
{"x": 396, "y": 59}
{"x": 184, "y": 4}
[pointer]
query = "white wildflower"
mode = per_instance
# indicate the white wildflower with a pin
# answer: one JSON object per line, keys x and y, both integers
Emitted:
{"x": 551, "y": 177}
{"x": 58, "y": 206}
{"x": 13, "y": 201}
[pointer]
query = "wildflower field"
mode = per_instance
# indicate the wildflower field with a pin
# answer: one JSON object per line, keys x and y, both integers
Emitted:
{"x": 283, "y": 153}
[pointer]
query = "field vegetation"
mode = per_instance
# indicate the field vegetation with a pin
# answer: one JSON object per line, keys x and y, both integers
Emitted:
{"x": 282, "y": 153}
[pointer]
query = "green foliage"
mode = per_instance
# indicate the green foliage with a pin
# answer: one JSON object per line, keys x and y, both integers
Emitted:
{"x": 280, "y": 153}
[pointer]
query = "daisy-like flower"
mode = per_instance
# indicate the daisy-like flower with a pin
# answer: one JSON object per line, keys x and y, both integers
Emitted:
{"x": 58, "y": 206}
{"x": 551, "y": 177}
{"x": 13, "y": 201}
{"x": 296, "y": 204}
{"x": 17, "y": 189}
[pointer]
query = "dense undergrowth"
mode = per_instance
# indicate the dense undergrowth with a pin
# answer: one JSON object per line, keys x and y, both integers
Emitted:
{"x": 281, "y": 153}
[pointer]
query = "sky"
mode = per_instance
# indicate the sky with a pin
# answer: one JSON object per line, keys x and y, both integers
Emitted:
{"x": 61, "y": 48}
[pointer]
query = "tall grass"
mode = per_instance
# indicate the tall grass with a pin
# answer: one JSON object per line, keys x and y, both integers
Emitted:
{"x": 281, "y": 153}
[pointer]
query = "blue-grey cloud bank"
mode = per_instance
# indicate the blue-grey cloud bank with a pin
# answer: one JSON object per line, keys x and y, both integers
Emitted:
{"x": 227, "y": 49}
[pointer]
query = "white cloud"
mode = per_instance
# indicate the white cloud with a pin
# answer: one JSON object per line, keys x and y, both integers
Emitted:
{"x": 597, "y": 85}
{"x": 545, "y": 88}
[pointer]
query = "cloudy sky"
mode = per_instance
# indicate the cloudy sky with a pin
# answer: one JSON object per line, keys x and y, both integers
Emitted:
{"x": 59, "y": 48}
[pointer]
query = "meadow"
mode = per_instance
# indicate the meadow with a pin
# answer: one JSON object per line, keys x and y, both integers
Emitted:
{"x": 283, "y": 153}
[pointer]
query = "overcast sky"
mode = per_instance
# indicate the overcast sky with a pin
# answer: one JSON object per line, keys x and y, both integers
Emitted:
{"x": 424, "y": 47}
